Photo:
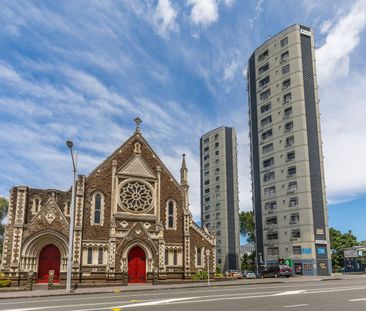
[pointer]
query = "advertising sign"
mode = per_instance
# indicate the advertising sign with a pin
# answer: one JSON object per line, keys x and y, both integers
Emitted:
{"x": 321, "y": 250}
{"x": 350, "y": 253}
{"x": 288, "y": 262}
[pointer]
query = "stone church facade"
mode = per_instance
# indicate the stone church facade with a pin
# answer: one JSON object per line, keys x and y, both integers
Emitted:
{"x": 132, "y": 223}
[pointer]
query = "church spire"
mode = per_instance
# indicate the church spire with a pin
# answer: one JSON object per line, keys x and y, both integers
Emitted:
{"x": 184, "y": 172}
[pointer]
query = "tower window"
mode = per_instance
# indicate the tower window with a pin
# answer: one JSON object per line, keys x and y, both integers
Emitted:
{"x": 263, "y": 56}
{"x": 293, "y": 202}
{"x": 286, "y": 69}
{"x": 286, "y": 84}
{"x": 264, "y": 95}
{"x": 263, "y": 68}
{"x": 265, "y": 108}
{"x": 284, "y": 56}
{"x": 290, "y": 156}
{"x": 264, "y": 81}
{"x": 284, "y": 42}
{"x": 267, "y": 134}
{"x": 291, "y": 171}
{"x": 292, "y": 187}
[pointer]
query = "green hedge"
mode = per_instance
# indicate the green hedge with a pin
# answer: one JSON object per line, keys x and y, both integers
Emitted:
{"x": 5, "y": 283}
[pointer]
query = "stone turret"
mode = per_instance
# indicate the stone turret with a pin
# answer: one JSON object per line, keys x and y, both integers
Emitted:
{"x": 184, "y": 173}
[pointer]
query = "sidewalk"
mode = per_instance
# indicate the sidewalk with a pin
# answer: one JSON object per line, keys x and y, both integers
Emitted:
{"x": 44, "y": 292}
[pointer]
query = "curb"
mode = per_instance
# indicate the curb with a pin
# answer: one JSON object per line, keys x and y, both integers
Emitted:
{"x": 118, "y": 291}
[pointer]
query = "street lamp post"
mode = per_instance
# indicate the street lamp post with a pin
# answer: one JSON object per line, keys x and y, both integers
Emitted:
{"x": 70, "y": 144}
{"x": 208, "y": 267}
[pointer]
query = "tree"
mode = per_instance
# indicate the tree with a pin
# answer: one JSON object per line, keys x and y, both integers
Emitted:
{"x": 247, "y": 262}
{"x": 4, "y": 205}
{"x": 338, "y": 241}
{"x": 247, "y": 226}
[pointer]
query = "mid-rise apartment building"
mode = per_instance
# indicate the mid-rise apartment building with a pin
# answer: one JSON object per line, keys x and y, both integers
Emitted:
{"x": 288, "y": 188}
{"x": 219, "y": 194}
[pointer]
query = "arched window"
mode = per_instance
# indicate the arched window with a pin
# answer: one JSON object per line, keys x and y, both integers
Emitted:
{"x": 36, "y": 205}
{"x": 166, "y": 257}
{"x": 199, "y": 257}
{"x": 67, "y": 208}
{"x": 97, "y": 209}
{"x": 90, "y": 256}
{"x": 175, "y": 257}
{"x": 100, "y": 256}
{"x": 171, "y": 215}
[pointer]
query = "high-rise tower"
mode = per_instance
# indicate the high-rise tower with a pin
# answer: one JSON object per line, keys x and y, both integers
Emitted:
{"x": 288, "y": 187}
{"x": 219, "y": 194}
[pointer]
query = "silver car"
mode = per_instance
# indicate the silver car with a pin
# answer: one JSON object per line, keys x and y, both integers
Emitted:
{"x": 249, "y": 275}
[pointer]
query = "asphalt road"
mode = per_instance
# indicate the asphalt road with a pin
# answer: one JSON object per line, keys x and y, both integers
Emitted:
{"x": 342, "y": 295}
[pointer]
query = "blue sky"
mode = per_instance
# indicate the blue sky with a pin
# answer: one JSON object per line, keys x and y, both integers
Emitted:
{"x": 84, "y": 69}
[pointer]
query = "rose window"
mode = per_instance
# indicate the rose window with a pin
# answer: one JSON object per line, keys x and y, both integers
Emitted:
{"x": 136, "y": 197}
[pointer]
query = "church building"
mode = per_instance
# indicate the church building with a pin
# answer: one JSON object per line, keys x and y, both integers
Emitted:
{"x": 132, "y": 221}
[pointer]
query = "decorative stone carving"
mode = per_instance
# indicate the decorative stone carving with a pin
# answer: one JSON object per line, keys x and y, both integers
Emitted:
{"x": 50, "y": 217}
{"x": 147, "y": 225}
{"x": 124, "y": 224}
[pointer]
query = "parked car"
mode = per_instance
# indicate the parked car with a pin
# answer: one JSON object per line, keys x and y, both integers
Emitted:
{"x": 276, "y": 271}
{"x": 236, "y": 274}
{"x": 249, "y": 275}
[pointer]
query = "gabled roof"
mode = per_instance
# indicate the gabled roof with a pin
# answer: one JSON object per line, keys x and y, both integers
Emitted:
{"x": 136, "y": 135}
{"x": 51, "y": 202}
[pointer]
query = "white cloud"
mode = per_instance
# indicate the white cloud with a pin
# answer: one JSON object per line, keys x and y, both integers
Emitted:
{"x": 229, "y": 3}
{"x": 333, "y": 56}
{"x": 204, "y": 12}
{"x": 258, "y": 10}
{"x": 341, "y": 90}
{"x": 344, "y": 132}
{"x": 165, "y": 18}
{"x": 325, "y": 26}
{"x": 230, "y": 70}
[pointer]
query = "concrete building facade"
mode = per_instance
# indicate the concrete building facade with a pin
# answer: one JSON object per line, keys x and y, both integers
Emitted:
{"x": 219, "y": 194}
{"x": 288, "y": 189}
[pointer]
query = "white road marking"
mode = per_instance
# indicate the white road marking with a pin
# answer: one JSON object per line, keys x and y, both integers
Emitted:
{"x": 295, "y": 306}
{"x": 155, "y": 303}
{"x": 359, "y": 299}
{"x": 291, "y": 292}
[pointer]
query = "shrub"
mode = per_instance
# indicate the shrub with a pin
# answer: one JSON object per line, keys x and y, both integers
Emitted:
{"x": 5, "y": 283}
{"x": 200, "y": 275}
{"x": 218, "y": 269}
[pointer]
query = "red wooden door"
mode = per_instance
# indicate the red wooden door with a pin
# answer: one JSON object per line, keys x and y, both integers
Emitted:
{"x": 136, "y": 265}
{"x": 49, "y": 259}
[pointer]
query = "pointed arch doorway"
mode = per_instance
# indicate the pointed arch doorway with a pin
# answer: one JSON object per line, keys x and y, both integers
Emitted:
{"x": 49, "y": 259}
{"x": 137, "y": 265}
